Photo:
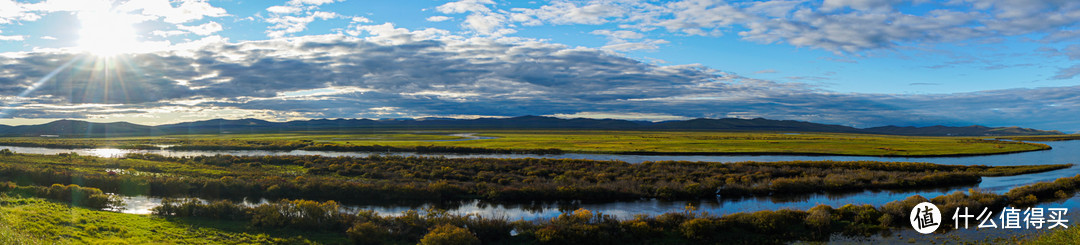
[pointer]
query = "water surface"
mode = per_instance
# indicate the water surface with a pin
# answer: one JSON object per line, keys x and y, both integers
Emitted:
{"x": 1062, "y": 152}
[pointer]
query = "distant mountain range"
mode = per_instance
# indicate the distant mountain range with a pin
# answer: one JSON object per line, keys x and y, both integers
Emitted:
{"x": 74, "y": 128}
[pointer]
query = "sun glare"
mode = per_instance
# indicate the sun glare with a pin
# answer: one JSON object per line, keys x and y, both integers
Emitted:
{"x": 106, "y": 34}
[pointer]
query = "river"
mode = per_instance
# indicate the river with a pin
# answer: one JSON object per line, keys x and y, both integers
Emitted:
{"x": 1062, "y": 152}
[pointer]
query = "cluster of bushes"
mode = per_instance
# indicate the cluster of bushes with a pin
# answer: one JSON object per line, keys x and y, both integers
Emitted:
{"x": 380, "y": 179}
{"x": 297, "y": 214}
{"x": 577, "y": 227}
{"x": 1030, "y": 194}
{"x": 72, "y": 194}
{"x": 975, "y": 200}
{"x": 588, "y": 227}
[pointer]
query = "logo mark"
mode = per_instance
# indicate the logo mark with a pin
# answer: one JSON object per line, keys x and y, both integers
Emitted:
{"x": 925, "y": 218}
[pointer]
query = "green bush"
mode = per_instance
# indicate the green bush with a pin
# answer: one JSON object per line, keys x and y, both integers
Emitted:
{"x": 896, "y": 212}
{"x": 820, "y": 217}
{"x": 368, "y": 233}
{"x": 699, "y": 228}
{"x": 449, "y": 235}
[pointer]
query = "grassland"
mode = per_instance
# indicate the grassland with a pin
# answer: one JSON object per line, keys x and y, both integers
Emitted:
{"x": 37, "y": 221}
{"x": 610, "y": 142}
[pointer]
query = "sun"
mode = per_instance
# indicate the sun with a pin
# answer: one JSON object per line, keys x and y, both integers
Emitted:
{"x": 106, "y": 34}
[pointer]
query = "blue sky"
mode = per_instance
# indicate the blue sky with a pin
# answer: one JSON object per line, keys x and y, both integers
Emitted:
{"x": 860, "y": 63}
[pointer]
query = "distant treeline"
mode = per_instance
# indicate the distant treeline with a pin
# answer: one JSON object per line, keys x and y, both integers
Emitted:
{"x": 586, "y": 227}
{"x": 385, "y": 179}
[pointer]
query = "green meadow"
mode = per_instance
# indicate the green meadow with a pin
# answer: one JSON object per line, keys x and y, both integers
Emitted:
{"x": 611, "y": 142}
{"x": 38, "y": 221}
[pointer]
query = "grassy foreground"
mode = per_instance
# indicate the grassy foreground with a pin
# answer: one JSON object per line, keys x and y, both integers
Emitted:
{"x": 36, "y": 221}
{"x": 617, "y": 142}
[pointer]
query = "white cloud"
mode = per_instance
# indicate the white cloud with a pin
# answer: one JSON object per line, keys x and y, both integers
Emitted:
{"x": 311, "y": 2}
{"x": 359, "y": 19}
{"x": 284, "y": 9}
{"x": 632, "y": 46}
{"x": 202, "y": 30}
{"x": 168, "y": 33}
{"x": 68, "y": 5}
{"x": 388, "y": 34}
{"x": 620, "y": 34}
{"x": 286, "y": 24}
{"x": 487, "y": 24}
{"x": 189, "y": 10}
{"x": 48, "y": 38}
{"x": 859, "y": 4}
{"x": 12, "y": 38}
{"x": 14, "y": 11}
{"x": 564, "y": 12}
{"x": 297, "y": 14}
{"x": 439, "y": 18}
{"x": 481, "y": 19}
{"x": 465, "y": 6}
{"x": 842, "y": 26}
{"x": 617, "y": 40}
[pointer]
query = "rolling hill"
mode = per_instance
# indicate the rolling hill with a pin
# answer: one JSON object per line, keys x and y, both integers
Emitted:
{"x": 74, "y": 128}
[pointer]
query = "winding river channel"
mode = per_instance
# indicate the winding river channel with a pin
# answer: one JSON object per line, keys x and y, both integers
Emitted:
{"x": 1062, "y": 152}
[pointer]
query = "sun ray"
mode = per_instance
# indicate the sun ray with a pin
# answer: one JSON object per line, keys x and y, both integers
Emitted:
{"x": 39, "y": 83}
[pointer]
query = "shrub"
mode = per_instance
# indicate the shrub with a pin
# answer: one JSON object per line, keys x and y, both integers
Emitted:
{"x": 699, "y": 228}
{"x": 820, "y": 217}
{"x": 896, "y": 212}
{"x": 368, "y": 233}
{"x": 449, "y": 235}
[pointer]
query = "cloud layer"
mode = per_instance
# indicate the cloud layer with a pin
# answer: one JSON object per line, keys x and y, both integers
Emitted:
{"x": 400, "y": 73}
{"x": 835, "y": 25}
{"x": 368, "y": 69}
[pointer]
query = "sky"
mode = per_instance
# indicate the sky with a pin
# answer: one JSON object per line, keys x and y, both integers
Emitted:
{"x": 860, "y": 63}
